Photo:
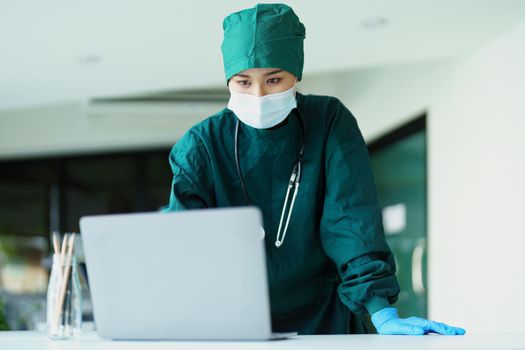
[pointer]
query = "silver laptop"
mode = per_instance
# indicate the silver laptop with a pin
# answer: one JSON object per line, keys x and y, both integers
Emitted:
{"x": 190, "y": 275}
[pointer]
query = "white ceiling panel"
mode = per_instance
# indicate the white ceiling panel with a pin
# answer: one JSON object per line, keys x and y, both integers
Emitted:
{"x": 61, "y": 50}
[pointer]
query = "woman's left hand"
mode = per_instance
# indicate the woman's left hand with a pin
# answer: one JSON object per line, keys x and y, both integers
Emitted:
{"x": 387, "y": 321}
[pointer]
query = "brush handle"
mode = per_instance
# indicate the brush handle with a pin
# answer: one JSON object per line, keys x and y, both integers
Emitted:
{"x": 64, "y": 281}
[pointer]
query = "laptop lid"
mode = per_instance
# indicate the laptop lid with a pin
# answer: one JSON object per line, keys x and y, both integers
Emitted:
{"x": 198, "y": 274}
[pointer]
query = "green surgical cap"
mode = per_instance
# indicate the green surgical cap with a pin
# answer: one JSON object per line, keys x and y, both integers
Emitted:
{"x": 264, "y": 36}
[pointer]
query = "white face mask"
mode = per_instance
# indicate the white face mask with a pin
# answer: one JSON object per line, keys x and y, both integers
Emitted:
{"x": 262, "y": 112}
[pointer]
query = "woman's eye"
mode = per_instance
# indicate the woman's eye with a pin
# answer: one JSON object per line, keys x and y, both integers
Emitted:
{"x": 273, "y": 81}
{"x": 243, "y": 82}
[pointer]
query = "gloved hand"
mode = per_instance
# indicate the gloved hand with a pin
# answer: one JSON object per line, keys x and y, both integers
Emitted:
{"x": 387, "y": 321}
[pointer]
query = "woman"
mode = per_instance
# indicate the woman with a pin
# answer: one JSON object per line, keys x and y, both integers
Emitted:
{"x": 328, "y": 261}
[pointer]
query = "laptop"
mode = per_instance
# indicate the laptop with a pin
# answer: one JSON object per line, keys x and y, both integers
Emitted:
{"x": 188, "y": 275}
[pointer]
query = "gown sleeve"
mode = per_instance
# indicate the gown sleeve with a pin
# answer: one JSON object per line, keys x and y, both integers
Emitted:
{"x": 191, "y": 187}
{"x": 351, "y": 225}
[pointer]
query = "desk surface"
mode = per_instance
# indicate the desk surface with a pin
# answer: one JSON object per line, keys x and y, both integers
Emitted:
{"x": 37, "y": 341}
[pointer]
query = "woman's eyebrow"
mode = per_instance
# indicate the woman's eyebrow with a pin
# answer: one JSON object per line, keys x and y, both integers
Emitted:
{"x": 266, "y": 74}
{"x": 273, "y": 72}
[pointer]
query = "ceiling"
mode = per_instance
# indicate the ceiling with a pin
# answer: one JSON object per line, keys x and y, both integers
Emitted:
{"x": 60, "y": 50}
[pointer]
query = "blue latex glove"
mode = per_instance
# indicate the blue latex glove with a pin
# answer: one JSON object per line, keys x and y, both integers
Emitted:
{"x": 387, "y": 321}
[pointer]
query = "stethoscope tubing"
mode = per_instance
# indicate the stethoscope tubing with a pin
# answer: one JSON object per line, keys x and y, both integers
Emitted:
{"x": 293, "y": 183}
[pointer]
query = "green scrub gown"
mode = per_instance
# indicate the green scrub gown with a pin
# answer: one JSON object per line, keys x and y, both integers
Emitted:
{"x": 334, "y": 266}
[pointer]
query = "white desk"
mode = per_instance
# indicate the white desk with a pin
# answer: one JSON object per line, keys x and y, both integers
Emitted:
{"x": 499, "y": 341}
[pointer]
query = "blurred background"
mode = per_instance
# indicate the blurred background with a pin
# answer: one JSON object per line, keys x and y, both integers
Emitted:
{"x": 94, "y": 94}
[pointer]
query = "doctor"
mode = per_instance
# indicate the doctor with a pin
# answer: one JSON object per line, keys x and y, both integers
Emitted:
{"x": 302, "y": 160}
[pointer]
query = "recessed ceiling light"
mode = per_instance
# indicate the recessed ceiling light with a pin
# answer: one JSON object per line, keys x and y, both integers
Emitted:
{"x": 88, "y": 58}
{"x": 373, "y": 23}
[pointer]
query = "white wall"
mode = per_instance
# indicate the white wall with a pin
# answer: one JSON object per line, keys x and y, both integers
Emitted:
{"x": 79, "y": 128}
{"x": 476, "y": 145}
{"x": 383, "y": 98}
{"x": 477, "y": 190}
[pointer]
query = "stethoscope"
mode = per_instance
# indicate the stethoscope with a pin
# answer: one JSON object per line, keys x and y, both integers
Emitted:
{"x": 293, "y": 183}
